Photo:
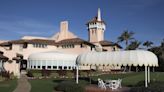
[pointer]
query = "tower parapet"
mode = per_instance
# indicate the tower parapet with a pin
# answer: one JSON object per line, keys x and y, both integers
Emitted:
{"x": 96, "y": 28}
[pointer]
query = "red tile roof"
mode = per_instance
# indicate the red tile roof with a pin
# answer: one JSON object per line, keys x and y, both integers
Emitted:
{"x": 48, "y": 42}
{"x": 109, "y": 43}
{"x": 94, "y": 20}
{"x": 74, "y": 41}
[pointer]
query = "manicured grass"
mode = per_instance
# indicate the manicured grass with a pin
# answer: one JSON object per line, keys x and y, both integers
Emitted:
{"x": 8, "y": 85}
{"x": 128, "y": 79}
{"x": 47, "y": 85}
{"x": 42, "y": 85}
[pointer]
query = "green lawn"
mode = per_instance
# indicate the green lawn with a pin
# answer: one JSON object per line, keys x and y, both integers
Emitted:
{"x": 42, "y": 85}
{"x": 128, "y": 79}
{"x": 47, "y": 85}
{"x": 132, "y": 78}
{"x": 8, "y": 86}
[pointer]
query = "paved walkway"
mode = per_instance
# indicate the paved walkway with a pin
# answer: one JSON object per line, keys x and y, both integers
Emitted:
{"x": 23, "y": 84}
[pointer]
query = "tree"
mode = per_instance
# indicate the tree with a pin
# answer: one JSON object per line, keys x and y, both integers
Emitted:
{"x": 126, "y": 36}
{"x": 162, "y": 43}
{"x": 148, "y": 44}
{"x": 133, "y": 45}
{"x": 159, "y": 51}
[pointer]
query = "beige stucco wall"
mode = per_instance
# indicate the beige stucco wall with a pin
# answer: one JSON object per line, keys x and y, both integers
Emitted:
{"x": 30, "y": 50}
{"x": 16, "y": 48}
{"x": 76, "y": 50}
{"x": 96, "y": 35}
{"x": 12, "y": 66}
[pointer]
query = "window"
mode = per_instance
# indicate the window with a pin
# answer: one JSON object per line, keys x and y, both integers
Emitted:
{"x": 60, "y": 67}
{"x": 91, "y": 48}
{"x": 38, "y": 66}
{"x": 25, "y": 45}
{"x": 82, "y": 45}
{"x": 43, "y": 67}
{"x": 54, "y": 67}
{"x": 10, "y": 48}
{"x": 114, "y": 49}
{"x": 69, "y": 67}
{"x": 68, "y": 46}
{"x": 65, "y": 68}
{"x": 49, "y": 67}
{"x": 36, "y": 45}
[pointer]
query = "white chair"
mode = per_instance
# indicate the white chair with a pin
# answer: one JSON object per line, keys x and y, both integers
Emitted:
{"x": 108, "y": 83}
{"x": 114, "y": 85}
{"x": 101, "y": 84}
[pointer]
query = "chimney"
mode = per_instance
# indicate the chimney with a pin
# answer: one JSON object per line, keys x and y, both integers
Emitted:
{"x": 64, "y": 26}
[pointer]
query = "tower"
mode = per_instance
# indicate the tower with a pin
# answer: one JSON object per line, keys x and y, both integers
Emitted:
{"x": 96, "y": 28}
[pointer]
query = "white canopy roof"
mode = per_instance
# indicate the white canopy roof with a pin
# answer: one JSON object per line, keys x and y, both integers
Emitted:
{"x": 133, "y": 57}
{"x": 53, "y": 56}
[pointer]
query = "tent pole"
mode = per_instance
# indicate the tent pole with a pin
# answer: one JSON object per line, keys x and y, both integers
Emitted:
{"x": 77, "y": 74}
{"x": 146, "y": 76}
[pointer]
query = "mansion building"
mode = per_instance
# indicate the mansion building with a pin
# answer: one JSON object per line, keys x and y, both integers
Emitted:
{"x": 14, "y": 54}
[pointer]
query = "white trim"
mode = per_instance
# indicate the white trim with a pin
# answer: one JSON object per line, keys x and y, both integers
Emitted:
{"x": 146, "y": 76}
{"x": 77, "y": 74}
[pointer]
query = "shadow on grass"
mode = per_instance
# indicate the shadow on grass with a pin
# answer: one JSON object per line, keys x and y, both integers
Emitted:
{"x": 88, "y": 79}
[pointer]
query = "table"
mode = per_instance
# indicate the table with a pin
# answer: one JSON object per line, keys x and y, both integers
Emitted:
{"x": 113, "y": 84}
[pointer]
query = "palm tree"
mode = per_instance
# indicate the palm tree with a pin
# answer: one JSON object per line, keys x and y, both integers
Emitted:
{"x": 162, "y": 43}
{"x": 133, "y": 45}
{"x": 148, "y": 44}
{"x": 126, "y": 36}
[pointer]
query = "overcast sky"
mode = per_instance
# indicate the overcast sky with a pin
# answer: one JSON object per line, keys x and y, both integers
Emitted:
{"x": 42, "y": 18}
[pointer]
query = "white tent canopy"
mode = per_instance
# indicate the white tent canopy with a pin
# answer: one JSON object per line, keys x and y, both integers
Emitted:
{"x": 130, "y": 58}
{"x": 52, "y": 60}
{"x": 133, "y": 57}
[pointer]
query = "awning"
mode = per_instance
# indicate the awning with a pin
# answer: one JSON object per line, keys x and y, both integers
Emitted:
{"x": 133, "y": 57}
{"x": 130, "y": 58}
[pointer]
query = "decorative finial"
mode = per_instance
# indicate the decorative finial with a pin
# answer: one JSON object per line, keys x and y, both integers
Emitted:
{"x": 99, "y": 15}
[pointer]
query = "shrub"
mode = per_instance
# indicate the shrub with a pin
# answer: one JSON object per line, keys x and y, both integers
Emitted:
{"x": 70, "y": 74}
{"x": 37, "y": 75}
{"x": 12, "y": 76}
{"x": 52, "y": 75}
{"x": 2, "y": 78}
{"x": 30, "y": 74}
{"x": 46, "y": 72}
{"x": 153, "y": 87}
{"x": 5, "y": 74}
{"x": 83, "y": 74}
{"x": 68, "y": 86}
{"x": 139, "y": 89}
{"x": 62, "y": 72}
